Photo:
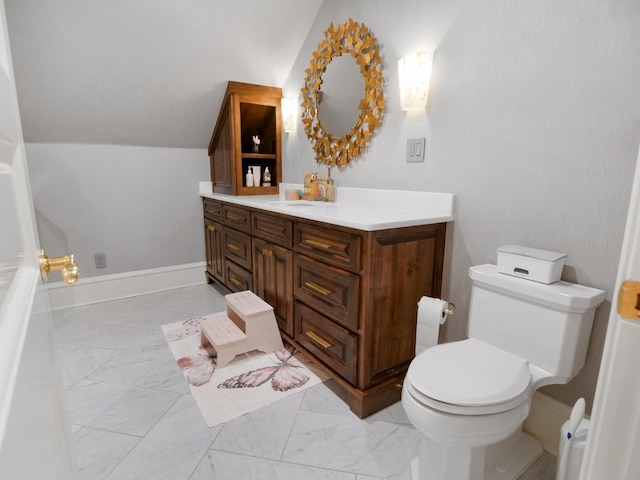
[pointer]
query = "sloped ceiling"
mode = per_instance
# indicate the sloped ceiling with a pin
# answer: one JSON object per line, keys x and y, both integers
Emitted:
{"x": 145, "y": 72}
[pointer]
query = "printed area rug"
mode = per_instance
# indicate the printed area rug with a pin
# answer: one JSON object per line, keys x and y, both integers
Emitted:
{"x": 247, "y": 383}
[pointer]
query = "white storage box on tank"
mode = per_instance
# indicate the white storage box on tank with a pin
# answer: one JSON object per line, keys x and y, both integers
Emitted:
{"x": 531, "y": 263}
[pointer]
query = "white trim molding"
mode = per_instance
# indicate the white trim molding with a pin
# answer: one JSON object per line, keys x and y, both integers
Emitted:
{"x": 545, "y": 420}
{"x": 122, "y": 285}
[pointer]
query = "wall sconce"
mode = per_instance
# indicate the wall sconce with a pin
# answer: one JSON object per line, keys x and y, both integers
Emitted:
{"x": 414, "y": 74}
{"x": 290, "y": 113}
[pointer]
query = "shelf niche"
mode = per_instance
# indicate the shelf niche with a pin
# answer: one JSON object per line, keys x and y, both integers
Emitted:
{"x": 247, "y": 110}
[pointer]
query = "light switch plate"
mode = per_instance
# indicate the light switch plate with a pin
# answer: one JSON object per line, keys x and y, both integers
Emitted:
{"x": 415, "y": 150}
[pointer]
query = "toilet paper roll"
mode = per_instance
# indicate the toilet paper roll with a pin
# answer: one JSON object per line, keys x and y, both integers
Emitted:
{"x": 431, "y": 314}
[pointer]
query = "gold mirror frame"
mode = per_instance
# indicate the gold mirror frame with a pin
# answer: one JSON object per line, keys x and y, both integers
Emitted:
{"x": 355, "y": 39}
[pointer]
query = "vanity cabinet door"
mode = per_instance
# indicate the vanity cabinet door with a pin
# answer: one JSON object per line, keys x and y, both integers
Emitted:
{"x": 332, "y": 291}
{"x": 332, "y": 344}
{"x": 215, "y": 253}
{"x": 237, "y": 247}
{"x": 236, "y": 217}
{"x": 272, "y": 280}
{"x": 329, "y": 244}
{"x": 212, "y": 210}
{"x": 270, "y": 227}
{"x": 237, "y": 279}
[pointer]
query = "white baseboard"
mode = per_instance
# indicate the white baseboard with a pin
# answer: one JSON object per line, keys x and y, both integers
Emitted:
{"x": 122, "y": 285}
{"x": 545, "y": 420}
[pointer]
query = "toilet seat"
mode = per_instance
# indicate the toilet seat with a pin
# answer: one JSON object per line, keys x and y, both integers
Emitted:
{"x": 469, "y": 377}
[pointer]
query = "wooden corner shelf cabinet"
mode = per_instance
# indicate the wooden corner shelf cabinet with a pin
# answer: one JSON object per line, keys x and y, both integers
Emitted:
{"x": 247, "y": 111}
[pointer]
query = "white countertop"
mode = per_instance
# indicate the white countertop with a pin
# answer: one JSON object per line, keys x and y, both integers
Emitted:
{"x": 360, "y": 208}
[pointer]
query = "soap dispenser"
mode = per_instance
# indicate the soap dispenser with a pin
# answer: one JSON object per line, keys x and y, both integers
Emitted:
{"x": 266, "y": 178}
{"x": 249, "y": 178}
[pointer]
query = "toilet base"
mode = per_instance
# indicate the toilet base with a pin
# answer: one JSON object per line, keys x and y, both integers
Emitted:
{"x": 506, "y": 460}
{"x": 512, "y": 457}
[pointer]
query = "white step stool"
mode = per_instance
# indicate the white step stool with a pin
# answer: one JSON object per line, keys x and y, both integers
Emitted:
{"x": 248, "y": 324}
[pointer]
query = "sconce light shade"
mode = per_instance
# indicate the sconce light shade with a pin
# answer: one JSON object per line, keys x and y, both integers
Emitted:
{"x": 414, "y": 74}
{"x": 290, "y": 113}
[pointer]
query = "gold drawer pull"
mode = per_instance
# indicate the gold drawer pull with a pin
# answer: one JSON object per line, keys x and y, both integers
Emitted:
{"x": 236, "y": 281}
{"x": 318, "y": 288}
{"x": 211, "y": 228}
{"x": 267, "y": 252}
{"x": 318, "y": 339}
{"x": 316, "y": 243}
{"x": 233, "y": 246}
{"x": 211, "y": 210}
{"x": 231, "y": 216}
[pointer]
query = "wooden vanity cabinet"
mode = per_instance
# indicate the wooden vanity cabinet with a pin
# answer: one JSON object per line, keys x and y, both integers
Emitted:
{"x": 247, "y": 110}
{"x": 346, "y": 297}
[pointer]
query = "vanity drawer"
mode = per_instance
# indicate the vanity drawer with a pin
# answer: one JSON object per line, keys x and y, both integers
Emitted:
{"x": 330, "y": 290}
{"x": 275, "y": 229}
{"x": 331, "y": 343}
{"x": 212, "y": 209}
{"x": 237, "y": 279}
{"x": 236, "y": 217}
{"x": 237, "y": 247}
{"x": 326, "y": 243}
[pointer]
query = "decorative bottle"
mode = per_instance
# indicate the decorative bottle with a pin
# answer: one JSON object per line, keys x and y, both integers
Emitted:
{"x": 266, "y": 178}
{"x": 330, "y": 186}
{"x": 307, "y": 184}
{"x": 249, "y": 178}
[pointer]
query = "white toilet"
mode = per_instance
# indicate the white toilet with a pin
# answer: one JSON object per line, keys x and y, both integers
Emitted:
{"x": 469, "y": 398}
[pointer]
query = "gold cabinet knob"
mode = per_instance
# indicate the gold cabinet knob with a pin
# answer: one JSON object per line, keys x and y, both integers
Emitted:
{"x": 66, "y": 264}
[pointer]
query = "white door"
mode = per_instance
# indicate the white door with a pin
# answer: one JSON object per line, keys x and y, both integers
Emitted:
{"x": 35, "y": 440}
{"x": 613, "y": 445}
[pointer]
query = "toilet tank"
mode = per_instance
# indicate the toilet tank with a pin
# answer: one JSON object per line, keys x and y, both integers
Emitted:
{"x": 549, "y": 325}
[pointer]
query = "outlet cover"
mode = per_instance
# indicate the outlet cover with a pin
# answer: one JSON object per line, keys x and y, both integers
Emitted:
{"x": 415, "y": 150}
{"x": 101, "y": 260}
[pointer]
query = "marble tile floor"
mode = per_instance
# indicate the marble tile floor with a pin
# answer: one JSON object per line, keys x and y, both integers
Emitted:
{"x": 132, "y": 415}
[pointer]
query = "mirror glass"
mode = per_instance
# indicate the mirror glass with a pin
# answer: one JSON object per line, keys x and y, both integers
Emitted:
{"x": 343, "y": 99}
{"x": 341, "y": 92}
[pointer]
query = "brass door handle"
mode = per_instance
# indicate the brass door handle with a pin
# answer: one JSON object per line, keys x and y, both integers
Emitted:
{"x": 629, "y": 300}
{"x": 66, "y": 264}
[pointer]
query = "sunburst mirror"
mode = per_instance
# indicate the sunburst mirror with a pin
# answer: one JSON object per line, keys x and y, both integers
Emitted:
{"x": 329, "y": 92}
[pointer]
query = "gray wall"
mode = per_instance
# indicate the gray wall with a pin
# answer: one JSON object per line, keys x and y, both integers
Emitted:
{"x": 533, "y": 122}
{"x": 139, "y": 205}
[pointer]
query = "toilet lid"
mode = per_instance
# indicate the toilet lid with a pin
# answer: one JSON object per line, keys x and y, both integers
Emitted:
{"x": 469, "y": 373}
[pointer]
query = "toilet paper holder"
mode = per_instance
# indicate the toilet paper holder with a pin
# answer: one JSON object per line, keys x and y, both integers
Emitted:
{"x": 451, "y": 307}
